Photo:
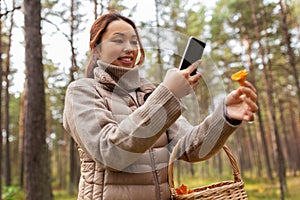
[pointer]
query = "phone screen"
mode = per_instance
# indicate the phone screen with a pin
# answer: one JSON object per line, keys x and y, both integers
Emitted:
{"x": 193, "y": 52}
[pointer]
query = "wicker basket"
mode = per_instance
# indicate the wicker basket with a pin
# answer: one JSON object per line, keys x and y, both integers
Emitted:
{"x": 223, "y": 190}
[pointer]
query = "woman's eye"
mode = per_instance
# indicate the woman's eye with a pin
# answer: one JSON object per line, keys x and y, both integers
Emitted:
{"x": 118, "y": 41}
{"x": 134, "y": 43}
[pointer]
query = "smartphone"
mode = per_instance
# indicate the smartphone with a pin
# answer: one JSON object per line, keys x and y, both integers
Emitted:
{"x": 193, "y": 52}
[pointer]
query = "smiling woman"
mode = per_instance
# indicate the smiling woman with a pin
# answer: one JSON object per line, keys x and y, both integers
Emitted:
{"x": 125, "y": 127}
{"x": 114, "y": 39}
{"x": 120, "y": 43}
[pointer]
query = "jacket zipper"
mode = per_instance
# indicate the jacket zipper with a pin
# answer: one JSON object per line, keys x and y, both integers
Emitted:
{"x": 154, "y": 172}
{"x": 155, "y": 176}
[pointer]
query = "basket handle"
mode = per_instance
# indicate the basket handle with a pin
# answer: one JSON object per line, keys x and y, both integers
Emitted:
{"x": 233, "y": 162}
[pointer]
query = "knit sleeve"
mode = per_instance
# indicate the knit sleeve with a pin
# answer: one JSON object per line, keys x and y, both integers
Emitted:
{"x": 204, "y": 140}
{"x": 116, "y": 145}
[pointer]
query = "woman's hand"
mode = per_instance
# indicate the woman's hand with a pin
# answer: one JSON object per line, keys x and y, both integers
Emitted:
{"x": 194, "y": 79}
{"x": 180, "y": 82}
{"x": 241, "y": 103}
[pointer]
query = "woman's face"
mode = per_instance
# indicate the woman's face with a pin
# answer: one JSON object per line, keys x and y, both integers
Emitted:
{"x": 119, "y": 45}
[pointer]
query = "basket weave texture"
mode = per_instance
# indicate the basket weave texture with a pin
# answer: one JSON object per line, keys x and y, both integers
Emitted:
{"x": 233, "y": 190}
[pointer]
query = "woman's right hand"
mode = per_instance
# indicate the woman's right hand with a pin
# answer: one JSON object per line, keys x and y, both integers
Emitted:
{"x": 241, "y": 103}
{"x": 180, "y": 82}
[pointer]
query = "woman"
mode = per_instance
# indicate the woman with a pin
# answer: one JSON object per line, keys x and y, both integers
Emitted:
{"x": 124, "y": 134}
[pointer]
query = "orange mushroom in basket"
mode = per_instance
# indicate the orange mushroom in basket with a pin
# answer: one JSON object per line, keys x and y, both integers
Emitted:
{"x": 183, "y": 190}
{"x": 240, "y": 76}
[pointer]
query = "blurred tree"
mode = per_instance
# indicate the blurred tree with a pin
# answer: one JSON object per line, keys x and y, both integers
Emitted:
{"x": 235, "y": 25}
{"x": 291, "y": 59}
{"x": 74, "y": 166}
{"x": 36, "y": 150}
{"x": 56, "y": 137}
{"x": 8, "y": 75}
{"x": 1, "y": 74}
{"x": 22, "y": 114}
{"x": 268, "y": 80}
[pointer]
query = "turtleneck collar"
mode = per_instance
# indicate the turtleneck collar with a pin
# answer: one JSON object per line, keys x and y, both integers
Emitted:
{"x": 126, "y": 78}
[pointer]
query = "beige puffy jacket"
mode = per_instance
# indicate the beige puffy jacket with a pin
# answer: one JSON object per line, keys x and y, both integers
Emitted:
{"x": 125, "y": 142}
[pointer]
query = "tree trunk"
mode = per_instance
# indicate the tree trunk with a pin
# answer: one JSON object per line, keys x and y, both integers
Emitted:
{"x": 35, "y": 148}
{"x": 239, "y": 137}
{"x": 269, "y": 88}
{"x": 259, "y": 118}
{"x": 159, "y": 61}
{"x": 290, "y": 52}
{"x": 258, "y": 147}
{"x": 22, "y": 133}
{"x": 287, "y": 153}
{"x": 192, "y": 170}
{"x": 95, "y": 9}
{"x": 74, "y": 161}
{"x": 264, "y": 144}
{"x": 6, "y": 109}
{"x": 295, "y": 139}
{"x": 220, "y": 164}
{"x": 280, "y": 156}
{"x": 250, "y": 144}
{"x": 1, "y": 73}
{"x": 72, "y": 184}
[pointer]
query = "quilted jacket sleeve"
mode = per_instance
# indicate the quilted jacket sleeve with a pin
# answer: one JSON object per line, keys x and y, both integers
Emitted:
{"x": 116, "y": 145}
{"x": 204, "y": 140}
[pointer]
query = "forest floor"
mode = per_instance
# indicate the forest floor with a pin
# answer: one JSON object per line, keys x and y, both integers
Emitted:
{"x": 266, "y": 191}
{"x": 256, "y": 188}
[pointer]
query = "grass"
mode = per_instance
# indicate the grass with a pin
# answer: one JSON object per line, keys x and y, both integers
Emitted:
{"x": 257, "y": 189}
{"x": 63, "y": 195}
{"x": 265, "y": 190}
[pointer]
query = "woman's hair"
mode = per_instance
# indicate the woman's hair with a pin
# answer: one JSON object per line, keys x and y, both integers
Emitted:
{"x": 96, "y": 33}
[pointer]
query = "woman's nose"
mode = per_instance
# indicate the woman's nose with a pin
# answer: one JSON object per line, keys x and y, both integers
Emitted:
{"x": 128, "y": 47}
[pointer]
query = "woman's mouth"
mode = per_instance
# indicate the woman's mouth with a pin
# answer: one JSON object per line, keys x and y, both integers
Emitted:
{"x": 126, "y": 60}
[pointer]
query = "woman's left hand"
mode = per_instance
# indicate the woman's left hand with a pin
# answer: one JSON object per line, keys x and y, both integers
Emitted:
{"x": 241, "y": 103}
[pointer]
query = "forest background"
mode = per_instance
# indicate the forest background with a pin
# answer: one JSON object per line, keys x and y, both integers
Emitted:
{"x": 39, "y": 160}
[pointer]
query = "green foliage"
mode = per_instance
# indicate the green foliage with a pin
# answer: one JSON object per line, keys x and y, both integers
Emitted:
{"x": 12, "y": 193}
{"x": 63, "y": 195}
{"x": 258, "y": 189}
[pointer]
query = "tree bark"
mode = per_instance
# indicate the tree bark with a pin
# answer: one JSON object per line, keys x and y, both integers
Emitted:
{"x": 159, "y": 61}
{"x": 1, "y": 73}
{"x": 74, "y": 161}
{"x": 260, "y": 118}
{"x": 290, "y": 52}
{"x": 35, "y": 148}
{"x": 7, "y": 98}
{"x": 295, "y": 139}
{"x": 288, "y": 152}
{"x": 95, "y": 9}
{"x": 269, "y": 88}
{"x": 22, "y": 133}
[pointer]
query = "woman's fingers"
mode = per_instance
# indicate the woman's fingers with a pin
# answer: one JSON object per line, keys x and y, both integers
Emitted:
{"x": 249, "y": 92}
{"x": 194, "y": 79}
{"x": 249, "y": 117}
{"x": 249, "y": 85}
{"x": 191, "y": 68}
{"x": 252, "y": 104}
{"x": 242, "y": 102}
